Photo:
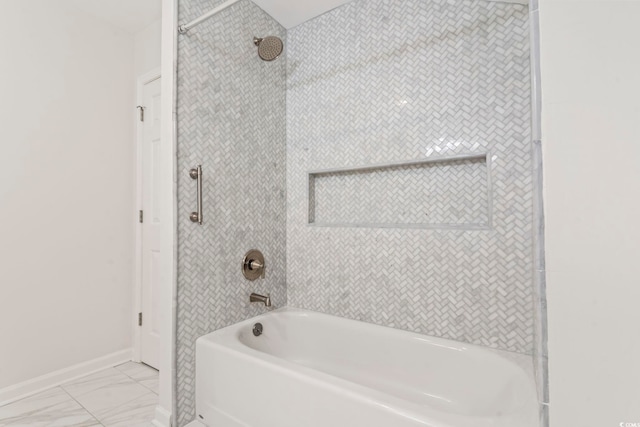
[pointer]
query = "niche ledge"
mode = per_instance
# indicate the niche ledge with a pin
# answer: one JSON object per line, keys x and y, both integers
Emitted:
{"x": 452, "y": 192}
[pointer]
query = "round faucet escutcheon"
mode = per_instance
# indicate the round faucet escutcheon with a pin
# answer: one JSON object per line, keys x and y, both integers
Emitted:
{"x": 253, "y": 266}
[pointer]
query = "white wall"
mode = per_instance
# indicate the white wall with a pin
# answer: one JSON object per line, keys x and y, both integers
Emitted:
{"x": 591, "y": 146}
{"x": 66, "y": 189}
{"x": 147, "y": 49}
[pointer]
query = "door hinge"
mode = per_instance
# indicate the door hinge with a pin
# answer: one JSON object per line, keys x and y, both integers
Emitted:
{"x": 139, "y": 319}
{"x": 141, "y": 216}
{"x": 141, "y": 112}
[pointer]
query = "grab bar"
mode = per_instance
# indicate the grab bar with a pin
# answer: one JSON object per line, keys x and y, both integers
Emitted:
{"x": 196, "y": 173}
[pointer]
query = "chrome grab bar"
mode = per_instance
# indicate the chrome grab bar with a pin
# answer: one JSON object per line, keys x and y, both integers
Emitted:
{"x": 196, "y": 173}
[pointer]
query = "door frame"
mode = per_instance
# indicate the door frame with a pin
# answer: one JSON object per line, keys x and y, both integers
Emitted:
{"x": 142, "y": 80}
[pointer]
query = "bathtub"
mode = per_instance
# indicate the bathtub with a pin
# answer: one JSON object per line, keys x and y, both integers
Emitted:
{"x": 314, "y": 370}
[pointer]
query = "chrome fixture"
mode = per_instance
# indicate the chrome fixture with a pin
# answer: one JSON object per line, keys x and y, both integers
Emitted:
{"x": 266, "y": 300}
{"x": 257, "y": 329}
{"x": 196, "y": 173}
{"x": 253, "y": 266}
{"x": 186, "y": 27}
{"x": 269, "y": 48}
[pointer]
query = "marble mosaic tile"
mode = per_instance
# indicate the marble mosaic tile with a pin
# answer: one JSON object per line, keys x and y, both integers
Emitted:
{"x": 374, "y": 81}
{"x": 426, "y": 195}
{"x": 231, "y": 119}
{"x": 378, "y": 81}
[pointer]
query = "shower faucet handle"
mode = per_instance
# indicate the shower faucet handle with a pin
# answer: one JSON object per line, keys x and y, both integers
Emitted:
{"x": 253, "y": 265}
{"x": 256, "y": 265}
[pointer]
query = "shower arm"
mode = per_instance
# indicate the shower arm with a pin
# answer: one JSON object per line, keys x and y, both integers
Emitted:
{"x": 182, "y": 29}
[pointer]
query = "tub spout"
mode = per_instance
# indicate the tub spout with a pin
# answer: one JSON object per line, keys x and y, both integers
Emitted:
{"x": 266, "y": 300}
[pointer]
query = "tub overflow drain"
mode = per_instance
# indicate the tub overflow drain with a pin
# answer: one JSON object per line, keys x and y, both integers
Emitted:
{"x": 257, "y": 329}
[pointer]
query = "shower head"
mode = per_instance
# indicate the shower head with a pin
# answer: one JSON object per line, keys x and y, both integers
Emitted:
{"x": 269, "y": 48}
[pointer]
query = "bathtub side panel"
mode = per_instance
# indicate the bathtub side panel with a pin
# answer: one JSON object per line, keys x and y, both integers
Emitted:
{"x": 289, "y": 388}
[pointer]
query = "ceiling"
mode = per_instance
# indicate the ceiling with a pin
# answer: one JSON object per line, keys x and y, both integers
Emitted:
{"x": 130, "y": 15}
{"x": 294, "y": 12}
{"x": 135, "y": 15}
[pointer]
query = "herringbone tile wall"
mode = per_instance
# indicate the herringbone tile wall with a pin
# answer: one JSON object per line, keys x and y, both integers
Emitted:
{"x": 372, "y": 82}
{"x": 231, "y": 118}
{"x": 428, "y": 195}
{"x": 378, "y": 81}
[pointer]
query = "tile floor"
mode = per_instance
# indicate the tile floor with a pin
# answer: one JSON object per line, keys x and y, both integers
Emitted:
{"x": 123, "y": 396}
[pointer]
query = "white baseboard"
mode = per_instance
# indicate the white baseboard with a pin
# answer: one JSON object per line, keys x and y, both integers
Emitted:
{"x": 163, "y": 417}
{"x": 52, "y": 379}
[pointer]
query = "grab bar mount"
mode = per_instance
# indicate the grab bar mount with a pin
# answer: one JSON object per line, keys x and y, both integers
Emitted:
{"x": 196, "y": 173}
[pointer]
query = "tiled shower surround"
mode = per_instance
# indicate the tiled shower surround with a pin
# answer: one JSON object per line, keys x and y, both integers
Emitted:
{"x": 369, "y": 86}
{"x": 378, "y": 81}
{"x": 231, "y": 119}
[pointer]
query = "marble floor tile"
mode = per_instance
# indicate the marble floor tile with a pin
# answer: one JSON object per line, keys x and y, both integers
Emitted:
{"x": 143, "y": 424}
{"x": 84, "y": 385}
{"x": 66, "y": 413}
{"x": 111, "y": 396}
{"x": 32, "y": 405}
{"x": 138, "y": 412}
{"x": 152, "y": 385}
{"x": 145, "y": 375}
{"x": 138, "y": 371}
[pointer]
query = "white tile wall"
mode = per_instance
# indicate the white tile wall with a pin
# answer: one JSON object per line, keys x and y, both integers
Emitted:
{"x": 231, "y": 119}
{"x": 385, "y": 81}
{"x": 372, "y": 82}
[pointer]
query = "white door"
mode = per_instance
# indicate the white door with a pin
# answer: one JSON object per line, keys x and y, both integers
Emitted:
{"x": 150, "y": 139}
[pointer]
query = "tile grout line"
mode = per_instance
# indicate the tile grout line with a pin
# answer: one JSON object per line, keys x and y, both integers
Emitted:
{"x": 45, "y": 409}
{"x": 127, "y": 403}
{"x": 81, "y": 405}
{"x": 116, "y": 407}
{"x": 136, "y": 380}
{"x": 91, "y": 413}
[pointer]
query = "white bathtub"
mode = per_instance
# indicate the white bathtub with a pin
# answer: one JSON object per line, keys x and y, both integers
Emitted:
{"x": 313, "y": 370}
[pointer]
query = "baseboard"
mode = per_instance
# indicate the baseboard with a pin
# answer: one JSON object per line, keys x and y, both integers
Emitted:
{"x": 163, "y": 417}
{"x": 52, "y": 379}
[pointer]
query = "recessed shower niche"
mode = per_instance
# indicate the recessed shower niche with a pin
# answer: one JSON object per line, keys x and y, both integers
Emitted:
{"x": 440, "y": 192}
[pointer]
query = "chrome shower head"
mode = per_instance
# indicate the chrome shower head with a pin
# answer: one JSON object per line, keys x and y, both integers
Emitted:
{"x": 269, "y": 48}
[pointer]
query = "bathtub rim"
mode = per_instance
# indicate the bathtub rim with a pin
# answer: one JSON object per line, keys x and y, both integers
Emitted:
{"x": 228, "y": 340}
